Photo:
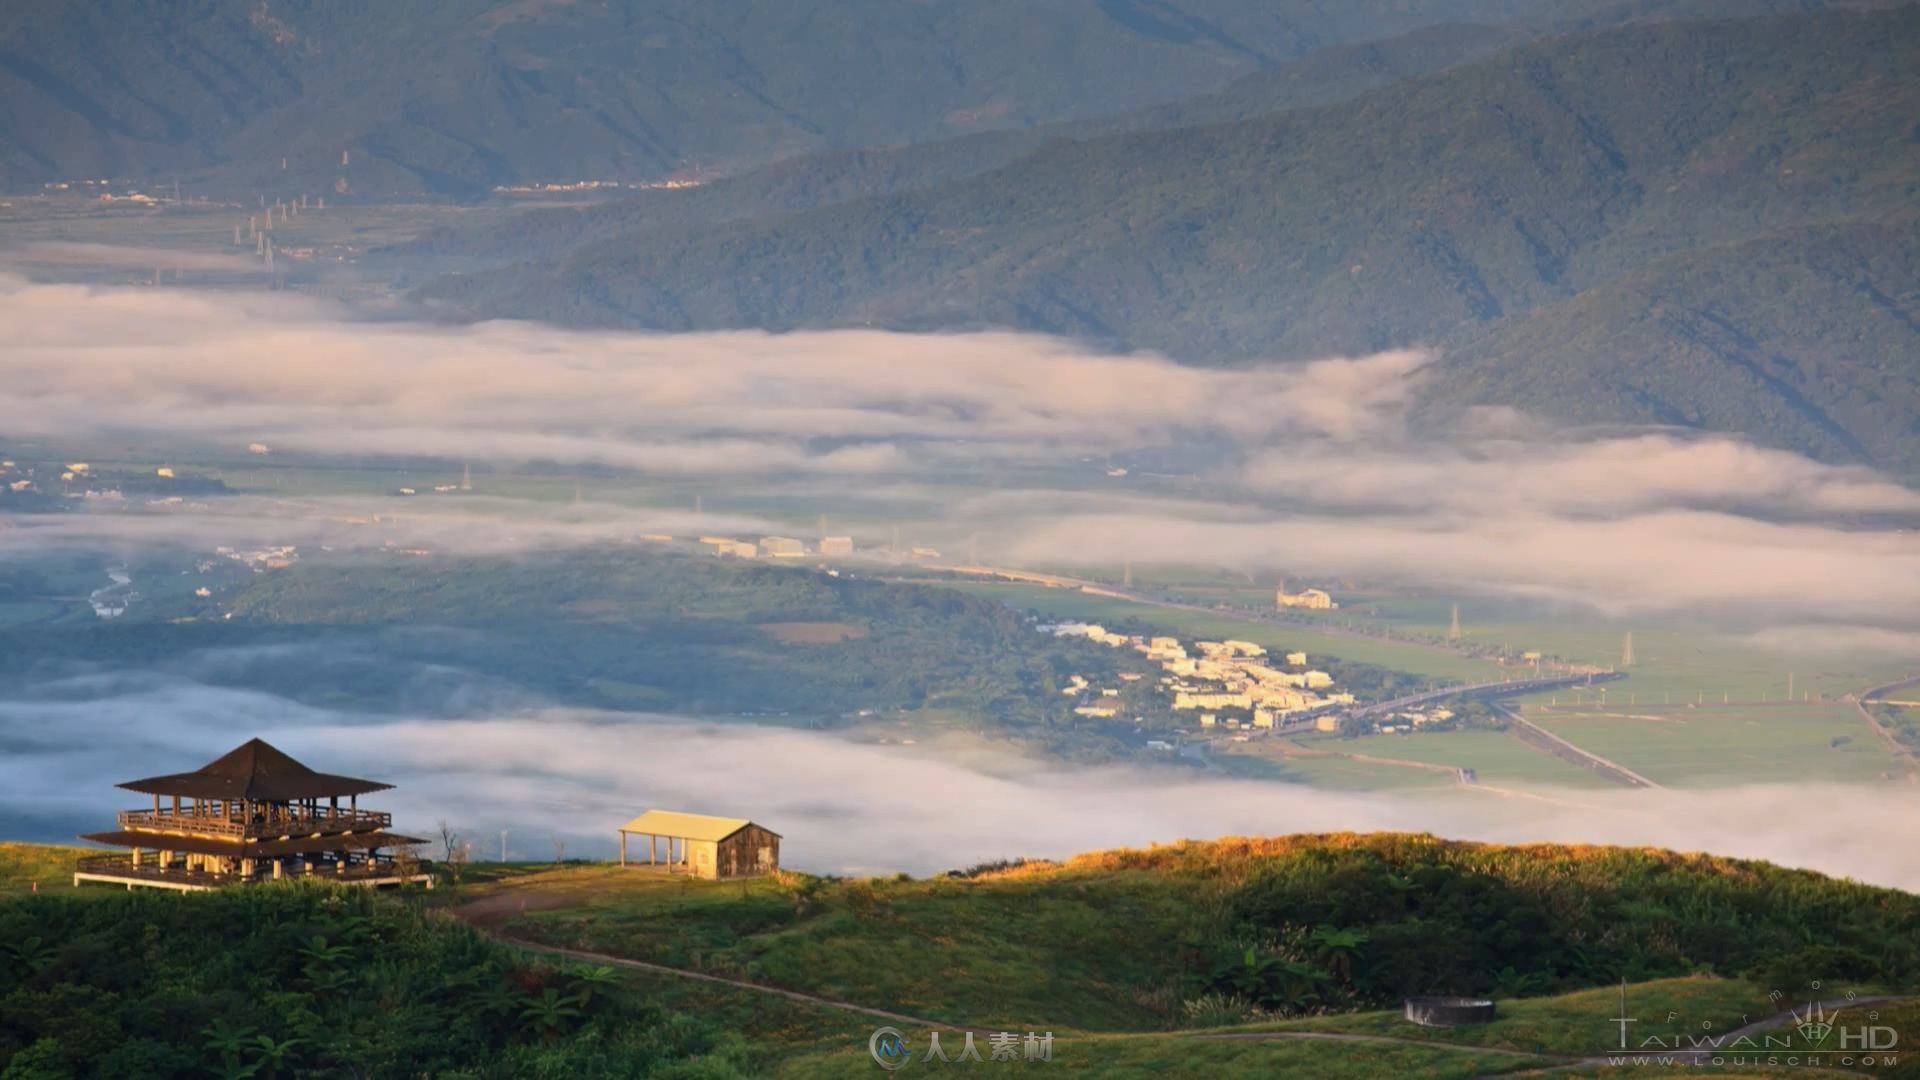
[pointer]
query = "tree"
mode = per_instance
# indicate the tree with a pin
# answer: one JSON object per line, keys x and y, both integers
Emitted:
{"x": 453, "y": 853}
{"x": 270, "y": 1055}
{"x": 550, "y": 1014}
{"x": 228, "y": 1041}
{"x": 588, "y": 980}
{"x": 1337, "y": 949}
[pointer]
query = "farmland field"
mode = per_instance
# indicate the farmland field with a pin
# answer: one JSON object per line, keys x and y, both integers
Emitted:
{"x": 1709, "y": 747}
{"x": 1498, "y": 759}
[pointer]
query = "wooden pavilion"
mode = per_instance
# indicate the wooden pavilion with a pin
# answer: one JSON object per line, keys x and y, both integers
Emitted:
{"x": 715, "y": 848}
{"x": 252, "y": 815}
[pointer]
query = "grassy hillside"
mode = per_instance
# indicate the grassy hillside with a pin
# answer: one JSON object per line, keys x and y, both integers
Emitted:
{"x": 307, "y": 981}
{"x": 1423, "y": 211}
{"x": 304, "y": 979}
{"x": 1202, "y": 934}
{"x": 456, "y": 97}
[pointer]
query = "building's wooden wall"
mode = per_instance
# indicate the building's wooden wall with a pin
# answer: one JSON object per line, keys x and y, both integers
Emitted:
{"x": 747, "y": 853}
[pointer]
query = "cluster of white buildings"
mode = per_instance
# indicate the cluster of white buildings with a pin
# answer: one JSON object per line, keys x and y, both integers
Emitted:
{"x": 1311, "y": 599}
{"x": 1212, "y": 678}
{"x": 771, "y": 547}
{"x": 277, "y": 557}
{"x": 1405, "y": 723}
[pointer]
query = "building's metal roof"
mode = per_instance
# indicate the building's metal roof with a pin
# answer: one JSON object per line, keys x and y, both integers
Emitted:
{"x": 686, "y": 826}
{"x": 254, "y": 770}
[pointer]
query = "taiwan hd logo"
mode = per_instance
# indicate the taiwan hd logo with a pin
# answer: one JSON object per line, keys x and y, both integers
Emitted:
{"x": 889, "y": 1048}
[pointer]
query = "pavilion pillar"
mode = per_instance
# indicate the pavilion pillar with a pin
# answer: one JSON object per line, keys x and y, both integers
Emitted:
{"x": 276, "y": 870}
{"x": 623, "y": 847}
{"x": 246, "y": 868}
{"x": 176, "y": 806}
{"x": 136, "y": 858}
{"x": 156, "y": 804}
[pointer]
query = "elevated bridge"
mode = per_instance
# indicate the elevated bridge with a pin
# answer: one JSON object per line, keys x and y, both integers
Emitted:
{"x": 1504, "y": 688}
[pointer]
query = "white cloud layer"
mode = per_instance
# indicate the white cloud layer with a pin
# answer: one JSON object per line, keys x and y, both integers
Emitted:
{"x": 1305, "y": 469}
{"x": 852, "y": 808}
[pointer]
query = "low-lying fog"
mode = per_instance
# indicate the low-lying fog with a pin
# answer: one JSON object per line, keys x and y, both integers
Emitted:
{"x": 842, "y": 806}
{"x": 1312, "y": 470}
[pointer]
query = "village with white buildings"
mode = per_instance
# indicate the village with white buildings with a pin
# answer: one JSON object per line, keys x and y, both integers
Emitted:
{"x": 1226, "y": 684}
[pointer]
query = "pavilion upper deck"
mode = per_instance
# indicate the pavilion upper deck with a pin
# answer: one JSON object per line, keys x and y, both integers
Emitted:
{"x": 266, "y": 823}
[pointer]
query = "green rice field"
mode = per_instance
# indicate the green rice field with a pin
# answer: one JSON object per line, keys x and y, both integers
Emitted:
{"x": 1713, "y": 747}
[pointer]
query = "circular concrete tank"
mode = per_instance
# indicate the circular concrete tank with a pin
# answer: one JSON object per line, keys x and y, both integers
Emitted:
{"x": 1449, "y": 1011}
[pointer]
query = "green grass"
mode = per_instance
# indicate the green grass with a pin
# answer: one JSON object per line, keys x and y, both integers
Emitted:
{"x": 1142, "y": 1056}
{"x": 1725, "y": 746}
{"x": 1672, "y": 660}
{"x": 22, "y": 612}
{"x": 24, "y": 865}
{"x": 1042, "y": 950}
{"x": 1575, "y": 1024}
{"x": 1499, "y": 759}
{"x": 1348, "y": 775}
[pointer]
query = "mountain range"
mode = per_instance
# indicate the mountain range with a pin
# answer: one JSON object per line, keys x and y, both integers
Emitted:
{"x": 454, "y": 97}
{"x": 1678, "y": 212}
{"x": 1701, "y": 222}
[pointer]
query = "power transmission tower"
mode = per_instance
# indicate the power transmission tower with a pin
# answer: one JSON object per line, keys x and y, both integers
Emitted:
{"x": 1453, "y": 628}
{"x": 1126, "y": 576}
{"x": 1626, "y": 650}
{"x": 503, "y": 845}
{"x": 466, "y": 476}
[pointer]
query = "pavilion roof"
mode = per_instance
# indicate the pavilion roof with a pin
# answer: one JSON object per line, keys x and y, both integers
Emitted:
{"x": 254, "y": 770}
{"x": 686, "y": 826}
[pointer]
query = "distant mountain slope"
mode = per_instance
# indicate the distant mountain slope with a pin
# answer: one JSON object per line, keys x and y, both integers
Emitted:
{"x": 1808, "y": 338}
{"x": 460, "y": 95}
{"x": 1325, "y": 76}
{"x": 1413, "y": 213}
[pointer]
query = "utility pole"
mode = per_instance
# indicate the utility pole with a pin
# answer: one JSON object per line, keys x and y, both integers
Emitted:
{"x": 1626, "y": 650}
{"x": 466, "y": 480}
{"x": 503, "y": 845}
{"x": 1453, "y": 628}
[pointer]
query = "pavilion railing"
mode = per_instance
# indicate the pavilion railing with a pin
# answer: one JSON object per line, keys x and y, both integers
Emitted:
{"x": 121, "y": 866}
{"x": 298, "y": 823}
